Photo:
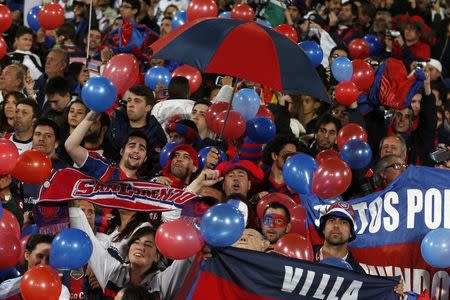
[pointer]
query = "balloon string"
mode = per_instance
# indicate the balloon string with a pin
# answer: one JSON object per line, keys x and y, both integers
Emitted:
{"x": 89, "y": 32}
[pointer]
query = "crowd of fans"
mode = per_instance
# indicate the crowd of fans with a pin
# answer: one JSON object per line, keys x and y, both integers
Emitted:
{"x": 43, "y": 74}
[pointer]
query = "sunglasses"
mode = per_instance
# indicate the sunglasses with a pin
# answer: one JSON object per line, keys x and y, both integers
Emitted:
{"x": 397, "y": 166}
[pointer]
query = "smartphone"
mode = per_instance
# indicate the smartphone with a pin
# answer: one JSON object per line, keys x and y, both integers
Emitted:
{"x": 440, "y": 155}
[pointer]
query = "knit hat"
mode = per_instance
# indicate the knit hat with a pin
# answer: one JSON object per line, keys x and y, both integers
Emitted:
{"x": 340, "y": 209}
{"x": 245, "y": 165}
{"x": 250, "y": 150}
{"x": 435, "y": 64}
{"x": 184, "y": 147}
{"x": 184, "y": 128}
{"x": 392, "y": 87}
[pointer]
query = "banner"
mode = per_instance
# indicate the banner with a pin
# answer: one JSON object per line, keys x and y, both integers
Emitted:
{"x": 235, "y": 273}
{"x": 391, "y": 224}
{"x": 70, "y": 184}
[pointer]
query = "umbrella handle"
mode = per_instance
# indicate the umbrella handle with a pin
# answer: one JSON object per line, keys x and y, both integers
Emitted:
{"x": 229, "y": 108}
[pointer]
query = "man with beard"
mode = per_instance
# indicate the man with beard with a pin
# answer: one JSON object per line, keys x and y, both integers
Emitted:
{"x": 96, "y": 140}
{"x": 133, "y": 154}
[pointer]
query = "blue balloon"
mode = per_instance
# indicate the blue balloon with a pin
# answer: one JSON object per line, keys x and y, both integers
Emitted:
{"x": 337, "y": 262}
{"x": 9, "y": 274}
{"x": 313, "y": 51}
{"x": 165, "y": 153}
{"x": 342, "y": 69}
{"x": 264, "y": 23}
{"x": 204, "y": 152}
{"x": 99, "y": 94}
{"x": 356, "y": 153}
{"x": 261, "y": 130}
{"x": 1, "y": 211}
{"x": 225, "y": 15}
{"x": 374, "y": 44}
{"x": 246, "y": 102}
{"x": 29, "y": 230}
{"x": 435, "y": 248}
{"x": 32, "y": 18}
{"x": 298, "y": 173}
{"x": 157, "y": 75}
{"x": 70, "y": 249}
{"x": 222, "y": 225}
{"x": 179, "y": 19}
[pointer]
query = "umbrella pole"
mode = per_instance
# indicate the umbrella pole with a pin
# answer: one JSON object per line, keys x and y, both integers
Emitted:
{"x": 228, "y": 109}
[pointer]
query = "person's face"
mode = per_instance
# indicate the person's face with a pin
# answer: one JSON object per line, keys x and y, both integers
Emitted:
{"x": 274, "y": 224}
{"x": 174, "y": 137}
{"x": 345, "y": 14}
{"x": 39, "y": 256}
{"x": 54, "y": 63}
{"x": 280, "y": 158}
{"x": 252, "y": 240}
{"x": 23, "y": 119}
{"x": 95, "y": 40}
{"x": 437, "y": 96}
{"x": 391, "y": 145}
{"x": 77, "y": 112}
{"x": 309, "y": 104}
{"x": 157, "y": 62}
{"x": 293, "y": 11}
{"x": 434, "y": 73}
{"x": 134, "y": 153}
{"x": 336, "y": 53}
{"x": 415, "y": 104}
{"x": 182, "y": 165}
{"x": 84, "y": 75}
{"x": 79, "y": 10}
{"x": 411, "y": 34}
{"x": 392, "y": 171}
{"x": 94, "y": 132}
{"x": 127, "y": 11}
{"x": 89, "y": 210}
{"x": 402, "y": 120}
{"x": 337, "y": 231}
{"x": 198, "y": 116}
{"x": 363, "y": 19}
{"x": 326, "y": 136}
{"x": 334, "y": 6}
{"x": 170, "y": 11}
{"x": 58, "y": 102}
{"x": 381, "y": 23}
{"x": 236, "y": 181}
{"x": 166, "y": 27}
{"x": 341, "y": 113}
{"x": 44, "y": 140}
{"x": 5, "y": 181}
{"x": 10, "y": 107}
{"x": 143, "y": 252}
{"x": 137, "y": 108}
{"x": 24, "y": 42}
{"x": 9, "y": 81}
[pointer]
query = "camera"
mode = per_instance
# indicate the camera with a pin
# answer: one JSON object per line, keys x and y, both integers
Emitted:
{"x": 392, "y": 33}
{"x": 441, "y": 155}
{"x": 421, "y": 65}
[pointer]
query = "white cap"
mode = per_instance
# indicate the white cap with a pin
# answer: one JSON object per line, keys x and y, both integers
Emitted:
{"x": 435, "y": 64}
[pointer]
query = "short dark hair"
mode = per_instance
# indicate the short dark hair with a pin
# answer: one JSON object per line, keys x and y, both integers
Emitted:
{"x": 36, "y": 239}
{"x": 277, "y": 144}
{"x": 22, "y": 30}
{"x": 32, "y": 103}
{"x": 278, "y": 205}
{"x": 339, "y": 47}
{"x": 15, "y": 94}
{"x": 135, "y": 4}
{"x": 143, "y": 91}
{"x": 74, "y": 69}
{"x": 178, "y": 88}
{"x": 57, "y": 85}
{"x": 67, "y": 30}
{"x": 369, "y": 10}
{"x": 203, "y": 101}
{"x": 49, "y": 123}
{"x": 326, "y": 119}
{"x": 137, "y": 133}
{"x": 353, "y": 7}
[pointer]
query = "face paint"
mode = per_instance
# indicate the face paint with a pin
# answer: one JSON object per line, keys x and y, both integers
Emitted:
{"x": 274, "y": 220}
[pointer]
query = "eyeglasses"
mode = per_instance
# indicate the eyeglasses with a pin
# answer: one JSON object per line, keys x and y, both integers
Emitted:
{"x": 397, "y": 166}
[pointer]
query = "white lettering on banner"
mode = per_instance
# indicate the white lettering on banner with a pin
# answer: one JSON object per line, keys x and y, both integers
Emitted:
{"x": 391, "y": 223}
{"x": 361, "y": 209}
{"x": 415, "y": 205}
{"x": 433, "y": 208}
{"x": 375, "y": 209}
{"x": 292, "y": 278}
{"x": 416, "y": 280}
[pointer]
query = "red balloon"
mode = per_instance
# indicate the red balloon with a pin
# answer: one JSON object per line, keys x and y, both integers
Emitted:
{"x": 9, "y": 224}
{"x": 212, "y": 112}
{"x": 3, "y": 47}
{"x": 39, "y": 281}
{"x": 363, "y": 75}
{"x": 243, "y": 12}
{"x": 265, "y": 201}
{"x": 178, "y": 239}
{"x": 192, "y": 74}
{"x": 326, "y": 154}
{"x": 263, "y": 111}
{"x": 298, "y": 220}
{"x": 123, "y": 71}
{"x": 288, "y": 31}
{"x": 5, "y": 18}
{"x": 8, "y": 156}
{"x": 234, "y": 125}
{"x": 296, "y": 246}
{"x": 32, "y": 167}
{"x": 346, "y": 92}
{"x": 23, "y": 245}
{"x": 358, "y": 48}
{"x": 198, "y": 9}
{"x": 9, "y": 250}
{"x": 51, "y": 16}
{"x": 331, "y": 179}
{"x": 349, "y": 132}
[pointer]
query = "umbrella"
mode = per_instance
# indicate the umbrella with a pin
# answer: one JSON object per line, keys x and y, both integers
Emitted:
{"x": 245, "y": 50}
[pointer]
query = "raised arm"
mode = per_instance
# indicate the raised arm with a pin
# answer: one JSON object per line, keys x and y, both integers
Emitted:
{"x": 73, "y": 142}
